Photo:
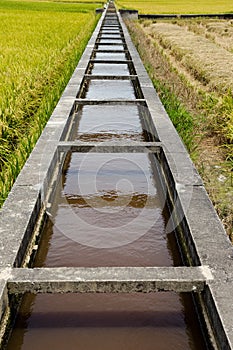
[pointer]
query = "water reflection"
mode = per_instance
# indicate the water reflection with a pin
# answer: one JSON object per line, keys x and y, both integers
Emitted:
{"x": 107, "y": 212}
{"x": 111, "y": 122}
{"x": 106, "y": 321}
{"x": 110, "y": 90}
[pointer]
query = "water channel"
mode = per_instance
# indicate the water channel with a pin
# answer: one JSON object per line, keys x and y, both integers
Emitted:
{"x": 107, "y": 211}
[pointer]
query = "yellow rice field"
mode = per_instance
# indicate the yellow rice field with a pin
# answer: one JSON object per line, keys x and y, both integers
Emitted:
{"x": 40, "y": 45}
{"x": 177, "y": 6}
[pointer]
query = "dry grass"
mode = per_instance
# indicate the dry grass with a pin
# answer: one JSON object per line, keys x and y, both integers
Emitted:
{"x": 218, "y": 31}
{"x": 204, "y": 64}
{"x": 167, "y": 49}
{"x": 209, "y": 63}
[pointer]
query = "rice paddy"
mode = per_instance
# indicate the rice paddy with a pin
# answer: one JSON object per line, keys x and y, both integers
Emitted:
{"x": 190, "y": 63}
{"x": 177, "y": 6}
{"x": 40, "y": 45}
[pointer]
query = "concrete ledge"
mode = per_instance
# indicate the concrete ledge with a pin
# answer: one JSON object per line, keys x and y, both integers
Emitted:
{"x": 80, "y": 101}
{"x": 99, "y": 10}
{"x": 3, "y": 296}
{"x": 219, "y": 312}
{"x": 111, "y": 61}
{"x": 107, "y": 279}
{"x": 110, "y": 77}
{"x": 105, "y": 147}
{"x": 17, "y": 221}
{"x": 129, "y": 14}
{"x": 4, "y": 307}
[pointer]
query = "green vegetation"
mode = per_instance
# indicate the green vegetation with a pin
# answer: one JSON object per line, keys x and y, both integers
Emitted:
{"x": 40, "y": 45}
{"x": 206, "y": 65}
{"x": 177, "y": 6}
{"x": 197, "y": 101}
{"x": 50, "y": 6}
{"x": 180, "y": 117}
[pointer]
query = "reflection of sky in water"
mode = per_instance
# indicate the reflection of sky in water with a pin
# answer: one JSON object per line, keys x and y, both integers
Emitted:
{"x": 110, "y": 89}
{"x": 107, "y": 213}
{"x": 110, "y": 69}
{"x": 108, "y": 35}
{"x": 112, "y": 199}
{"x": 122, "y": 321}
{"x": 110, "y": 41}
{"x": 111, "y": 56}
{"x": 100, "y": 123}
{"x": 110, "y": 47}
{"x": 99, "y": 171}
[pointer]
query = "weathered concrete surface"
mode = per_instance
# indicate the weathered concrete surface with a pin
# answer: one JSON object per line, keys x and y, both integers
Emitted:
{"x": 3, "y": 294}
{"x": 110, "y": 147}
{"x": 204, "y": 232}
{"x": 203, "y": 235}
{"x": 129, "y": 14}
{"x": 107, "y": 279}
{"x": 17, "y": 219}
{"x": 4, "y": 305}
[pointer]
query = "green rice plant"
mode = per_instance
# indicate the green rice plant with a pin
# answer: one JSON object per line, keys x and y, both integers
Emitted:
{"x": 83, "y": 6}
{"x": 177, "y": 7}
{"x": 39, "y": 49}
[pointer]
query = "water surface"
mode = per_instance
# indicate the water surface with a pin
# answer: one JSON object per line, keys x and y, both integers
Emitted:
{"x": 108, "y": 122}
{"x": 111, "y": 56}
{"x": 110, "y": 90}
{"x": 160, "y": 321}
{"x": 110, "y": 69}
{"x": 109, "y": 47}
{"x": 107, "y": 212}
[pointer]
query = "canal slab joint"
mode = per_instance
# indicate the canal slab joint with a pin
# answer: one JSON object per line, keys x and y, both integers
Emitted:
{"x": 106, "y": 279}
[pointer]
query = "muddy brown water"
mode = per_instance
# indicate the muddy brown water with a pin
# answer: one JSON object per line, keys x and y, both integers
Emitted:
{"x": 106, "y": 211}
{"x": 124, "y": 188}
{"x": 160, "y": 321}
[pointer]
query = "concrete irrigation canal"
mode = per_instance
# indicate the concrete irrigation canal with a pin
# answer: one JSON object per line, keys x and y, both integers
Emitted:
{"x": 108, "y": 238}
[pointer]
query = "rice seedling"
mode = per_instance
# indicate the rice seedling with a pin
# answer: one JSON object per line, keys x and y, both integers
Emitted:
{"x": 40, "y": 45}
